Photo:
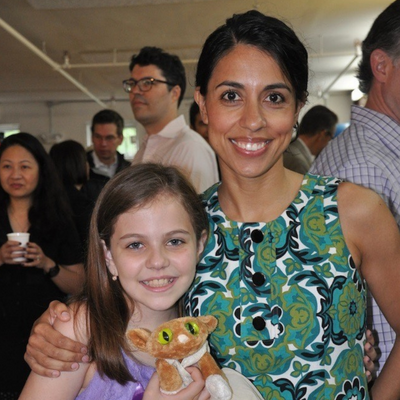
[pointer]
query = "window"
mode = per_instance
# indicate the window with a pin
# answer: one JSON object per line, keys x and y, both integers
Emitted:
{"x": 7, "y": 130}
{"x": 129, "y": 145}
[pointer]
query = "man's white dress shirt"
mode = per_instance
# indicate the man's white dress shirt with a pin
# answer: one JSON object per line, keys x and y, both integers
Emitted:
{"x": 179, "y": 146}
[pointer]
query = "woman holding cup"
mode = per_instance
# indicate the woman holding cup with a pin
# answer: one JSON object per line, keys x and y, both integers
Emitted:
{"x": 34, "y": 272}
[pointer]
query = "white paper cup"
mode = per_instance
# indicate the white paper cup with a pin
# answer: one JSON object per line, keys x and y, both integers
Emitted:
{"x": 21, "y": 237}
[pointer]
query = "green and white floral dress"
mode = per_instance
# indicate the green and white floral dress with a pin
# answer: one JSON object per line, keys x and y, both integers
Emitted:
{"x": 289, "y": 300}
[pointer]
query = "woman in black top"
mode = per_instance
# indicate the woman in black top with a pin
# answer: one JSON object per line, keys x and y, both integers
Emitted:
{"x": 31, "y": 200}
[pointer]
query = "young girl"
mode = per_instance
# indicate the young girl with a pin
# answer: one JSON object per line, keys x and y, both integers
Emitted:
{"x": 147, "y": 233}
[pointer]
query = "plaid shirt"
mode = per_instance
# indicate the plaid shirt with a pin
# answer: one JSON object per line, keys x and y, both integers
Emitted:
{"x": 368, "y": 153}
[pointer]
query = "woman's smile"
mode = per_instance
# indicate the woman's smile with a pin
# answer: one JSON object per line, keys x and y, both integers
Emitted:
{"x": 252, "y": 145}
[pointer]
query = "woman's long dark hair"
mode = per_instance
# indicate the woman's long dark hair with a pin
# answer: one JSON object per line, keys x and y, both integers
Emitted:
{"x": 107, "y": 309}
{"x": 50, "y": 210}
{"x": 69, "y": 157}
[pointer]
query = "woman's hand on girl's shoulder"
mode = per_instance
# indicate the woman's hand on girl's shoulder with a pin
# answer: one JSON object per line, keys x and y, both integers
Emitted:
{"x": 195, "y": 391}
{"x": 75, "y": 327}
{"x": 48, "y": 351}
{"x": 68, "y": 385}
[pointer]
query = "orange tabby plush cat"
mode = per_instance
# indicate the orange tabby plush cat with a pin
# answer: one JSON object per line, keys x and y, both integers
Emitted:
{"x": 180, "y": 343}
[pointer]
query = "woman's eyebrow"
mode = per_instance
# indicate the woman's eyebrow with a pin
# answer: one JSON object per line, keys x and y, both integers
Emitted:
{"x": 232, "y": 84}
{"x": 238, "y": 85}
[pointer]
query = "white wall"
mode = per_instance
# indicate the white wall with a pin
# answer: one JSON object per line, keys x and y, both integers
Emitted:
{"x": 70, "y": 119}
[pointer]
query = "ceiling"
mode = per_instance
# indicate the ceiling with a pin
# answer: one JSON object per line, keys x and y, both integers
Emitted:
{"x": 78, "y": 50}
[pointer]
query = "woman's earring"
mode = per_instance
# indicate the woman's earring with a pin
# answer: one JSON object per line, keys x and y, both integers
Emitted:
{"x": 295, "y": 132}
{"x": 114, "y": 277}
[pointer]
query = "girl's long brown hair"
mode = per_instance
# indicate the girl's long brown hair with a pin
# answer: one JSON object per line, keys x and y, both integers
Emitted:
{"x": 107, "y": 309}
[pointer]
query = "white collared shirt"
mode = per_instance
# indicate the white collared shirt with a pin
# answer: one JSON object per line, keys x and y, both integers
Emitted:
{"x": 177, "y": 145}
{"x": 104, "y": 169}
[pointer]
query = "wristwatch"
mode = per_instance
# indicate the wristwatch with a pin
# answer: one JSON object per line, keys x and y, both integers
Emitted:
{"x": 53, "y": 271}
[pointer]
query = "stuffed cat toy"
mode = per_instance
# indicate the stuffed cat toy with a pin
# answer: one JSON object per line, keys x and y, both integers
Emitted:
{"x": 180, "y": 343}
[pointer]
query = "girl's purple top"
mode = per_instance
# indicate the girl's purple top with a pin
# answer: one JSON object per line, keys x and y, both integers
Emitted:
{"x": 107, "y": 389}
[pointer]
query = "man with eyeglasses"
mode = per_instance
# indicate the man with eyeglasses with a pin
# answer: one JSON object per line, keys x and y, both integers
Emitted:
{"x": 104, "y": 160}
{"x": 156, "y": 88}
{"x": 316, "y": 129}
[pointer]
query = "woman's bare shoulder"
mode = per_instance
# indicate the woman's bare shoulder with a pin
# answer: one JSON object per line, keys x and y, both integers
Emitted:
{"x": 367, "y": 223}
{"x": 357, "y": 202}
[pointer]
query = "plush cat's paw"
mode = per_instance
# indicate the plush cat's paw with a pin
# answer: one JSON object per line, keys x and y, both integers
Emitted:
{"x": 218, "y": 388}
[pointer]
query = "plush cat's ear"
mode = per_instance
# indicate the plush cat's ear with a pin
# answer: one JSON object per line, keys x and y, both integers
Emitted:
{"x": 139, "y": 338}
{"x": 210, "y": 321}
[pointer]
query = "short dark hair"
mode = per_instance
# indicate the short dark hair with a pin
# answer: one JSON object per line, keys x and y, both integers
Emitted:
{"x": 193, "y": 111}
{"x": 170, "y": 66}
{"x": 69, "y": 157}
{"x": 316, "y": 119}
{"x": 266, "y": 33}
{"x": 108, "y": 117}
{"x": 385, "y": 35}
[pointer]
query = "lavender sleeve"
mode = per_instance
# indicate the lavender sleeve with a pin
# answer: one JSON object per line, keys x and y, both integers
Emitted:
{"x": 103, "y": 388}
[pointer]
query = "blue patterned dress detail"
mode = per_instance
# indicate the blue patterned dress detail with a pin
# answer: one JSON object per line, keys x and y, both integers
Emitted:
{"x": 290, "y": 303}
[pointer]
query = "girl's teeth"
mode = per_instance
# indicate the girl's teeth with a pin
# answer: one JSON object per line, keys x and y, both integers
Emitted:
{"x": 158, "y": 282}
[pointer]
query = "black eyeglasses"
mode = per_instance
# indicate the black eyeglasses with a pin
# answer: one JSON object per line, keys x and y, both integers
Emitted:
{"x": 144, "y": 84}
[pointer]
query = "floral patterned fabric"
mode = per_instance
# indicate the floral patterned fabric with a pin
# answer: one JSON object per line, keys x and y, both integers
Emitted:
{"x": 289, "y": 300}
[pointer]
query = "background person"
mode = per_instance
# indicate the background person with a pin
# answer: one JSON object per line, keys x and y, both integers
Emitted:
{"x": 156, "y": 89}
{"x": 196, "y": 123}
{"x": 104, "y": 160}
{"x": 316, "y": 129}
{"x": 368, "y": 151}
{"x": 31, "y": 200}
{"x": 69, "y": 157}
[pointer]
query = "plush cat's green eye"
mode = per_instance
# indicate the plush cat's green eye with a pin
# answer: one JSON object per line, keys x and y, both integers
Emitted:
{"x": 192, "y": 328}
{"x": 165, "y": 336}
